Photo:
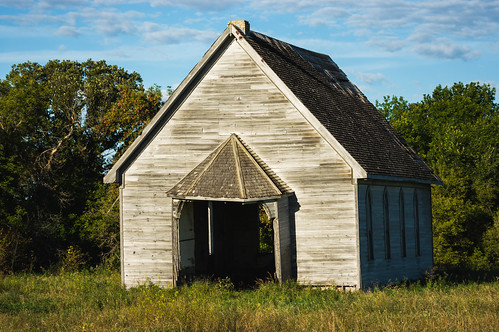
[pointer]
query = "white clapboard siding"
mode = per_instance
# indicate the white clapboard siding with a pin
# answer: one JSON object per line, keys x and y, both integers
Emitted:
{"x": 236, "y": 97}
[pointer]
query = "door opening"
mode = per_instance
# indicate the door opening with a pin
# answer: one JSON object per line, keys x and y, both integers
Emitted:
{"x": 226, "y": 239}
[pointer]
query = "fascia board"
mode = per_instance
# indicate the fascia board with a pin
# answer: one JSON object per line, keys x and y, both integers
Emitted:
{"x": 225, "y": 199}
{"x": 436, "y": 181}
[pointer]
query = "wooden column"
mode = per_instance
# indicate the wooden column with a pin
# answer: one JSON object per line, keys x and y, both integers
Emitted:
{"x": 177, "y": 206}
{"x": 210, "y": 228}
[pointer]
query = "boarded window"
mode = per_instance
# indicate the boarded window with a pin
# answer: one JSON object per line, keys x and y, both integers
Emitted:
{"x": 416, "y": 224}
{"x": 403, "y": 245}
{"x": 369, "y": 219}
{"x": 386, "y": 224}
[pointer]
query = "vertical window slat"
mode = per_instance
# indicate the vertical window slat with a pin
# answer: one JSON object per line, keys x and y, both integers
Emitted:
{"x": 403, "y": 245}
{"x": 416, "y": 224}
{"x": 369, "y": 219}
{"x": 386, "y": 222}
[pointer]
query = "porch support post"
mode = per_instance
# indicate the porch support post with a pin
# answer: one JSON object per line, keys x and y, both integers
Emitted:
{"x": 210, "y": 228}
{"x": 282, "y": 240}
{"x": 177, "y": 206}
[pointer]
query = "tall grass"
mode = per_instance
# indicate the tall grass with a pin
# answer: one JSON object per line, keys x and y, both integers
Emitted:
{"x": 97, "y": 302}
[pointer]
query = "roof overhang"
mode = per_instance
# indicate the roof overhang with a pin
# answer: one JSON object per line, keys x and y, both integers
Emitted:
{"x": 234, "y": 200}
{"x": 436, "y": 181}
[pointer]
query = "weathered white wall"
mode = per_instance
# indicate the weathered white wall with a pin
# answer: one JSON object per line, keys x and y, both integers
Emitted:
{"x": 236, "y": 97}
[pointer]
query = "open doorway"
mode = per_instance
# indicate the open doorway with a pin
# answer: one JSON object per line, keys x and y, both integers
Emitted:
{"x": 226, "y": 239}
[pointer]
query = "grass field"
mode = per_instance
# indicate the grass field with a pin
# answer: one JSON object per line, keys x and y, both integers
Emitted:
{"x": 95, "y": 301}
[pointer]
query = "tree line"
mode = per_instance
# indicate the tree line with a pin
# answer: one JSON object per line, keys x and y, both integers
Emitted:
{"x": 456, "y": 130}
{"x": 63, "y": 124}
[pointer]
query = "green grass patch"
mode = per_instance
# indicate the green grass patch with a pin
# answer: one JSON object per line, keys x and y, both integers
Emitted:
{"x": 96, "y": 301}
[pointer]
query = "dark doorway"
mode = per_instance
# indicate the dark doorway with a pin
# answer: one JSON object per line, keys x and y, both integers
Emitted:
{"x": 228, "y": 240}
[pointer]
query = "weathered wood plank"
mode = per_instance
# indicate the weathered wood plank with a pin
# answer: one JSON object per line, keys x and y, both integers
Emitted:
{"x": 236, "y": 97}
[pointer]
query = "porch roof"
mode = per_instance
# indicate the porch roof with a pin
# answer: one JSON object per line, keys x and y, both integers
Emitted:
{"x": 232, "y": 172}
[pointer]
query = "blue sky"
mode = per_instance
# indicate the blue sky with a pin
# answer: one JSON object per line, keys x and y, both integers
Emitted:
{"x": 393, "y": 47}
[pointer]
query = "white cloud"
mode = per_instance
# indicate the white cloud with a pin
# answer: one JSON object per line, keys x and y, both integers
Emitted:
{"x": 111, "y": 22}
{"x": 163, "y": 34}
{"x": 445, "y": 48}
{"x": 389, "y": 43}
{"x": 290, "y": 5}
{"x": 196, "y": 4}
{"x": 423, "y": 24}
{"x": 17, "y": 3}
{"x": 325, "y": 16}
{"x": 53, "y": 4}
{"x": 371, "y": 78}
{"x": 69, "y": 31}
{"x": 32, "y": 19}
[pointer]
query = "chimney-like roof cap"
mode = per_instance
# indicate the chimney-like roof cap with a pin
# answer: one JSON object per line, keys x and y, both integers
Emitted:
{"x": 244, "y": 26}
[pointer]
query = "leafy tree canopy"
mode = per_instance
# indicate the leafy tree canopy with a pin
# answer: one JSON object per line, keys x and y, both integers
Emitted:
{"x": 456, "y": 130}
{"x": 58, "y": 122}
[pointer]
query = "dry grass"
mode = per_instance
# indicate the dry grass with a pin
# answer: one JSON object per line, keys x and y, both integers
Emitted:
{"x": 97, "y": 302}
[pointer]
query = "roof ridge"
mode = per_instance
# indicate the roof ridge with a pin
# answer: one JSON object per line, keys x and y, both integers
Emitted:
{"x": 242, "y": 189}
{"x": 272, "y": 176}
{"x": 215, "y": 156}
{"x": 256, "y": 163}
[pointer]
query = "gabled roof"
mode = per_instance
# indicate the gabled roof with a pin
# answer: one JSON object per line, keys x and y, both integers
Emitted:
{"x": 343, "y": 110}
{"x": 322, "y": 93}
{"x": 232, "y": 172}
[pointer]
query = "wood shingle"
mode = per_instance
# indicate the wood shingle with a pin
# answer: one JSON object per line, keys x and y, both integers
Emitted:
{"x": 232, "y": 172}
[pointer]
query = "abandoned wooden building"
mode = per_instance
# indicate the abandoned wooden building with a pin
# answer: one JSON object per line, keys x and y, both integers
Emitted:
{"x": 260, "y": 126}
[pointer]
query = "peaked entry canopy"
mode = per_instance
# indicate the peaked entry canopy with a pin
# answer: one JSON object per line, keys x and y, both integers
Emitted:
{"x": 232, "y": 172}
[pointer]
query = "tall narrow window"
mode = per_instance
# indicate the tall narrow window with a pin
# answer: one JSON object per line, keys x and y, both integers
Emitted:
{"x": 416, "y": 224}
{"x": 403, "y": 246}
{"x": 369, "y": 219}
{"x": 386, "y": 223}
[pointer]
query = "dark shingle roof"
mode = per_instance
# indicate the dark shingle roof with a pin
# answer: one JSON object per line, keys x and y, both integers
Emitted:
{"x": 342, "y": 109}
{"x": 326, "y": 94}
{"x": 231, "y": 172}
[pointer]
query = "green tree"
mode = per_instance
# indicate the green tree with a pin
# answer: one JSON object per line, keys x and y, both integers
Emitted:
{"x": 53, "y": 148}
{"x": 456, "y": 130}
